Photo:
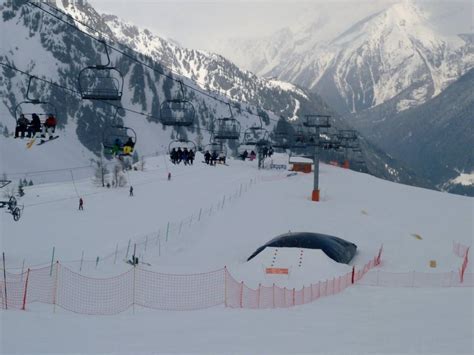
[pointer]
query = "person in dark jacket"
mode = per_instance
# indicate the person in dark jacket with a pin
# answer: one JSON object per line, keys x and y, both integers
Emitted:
{"x": 207, "y": 157}
{"x": 22, "y": 126}
{"x": 131, "y": 191}
{"x": 81, "y": 204}
{"x": 35, "y": 125}
{"x": 191, "y": 156}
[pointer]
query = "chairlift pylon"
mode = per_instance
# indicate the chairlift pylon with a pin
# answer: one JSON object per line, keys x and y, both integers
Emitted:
{"x": 101, "y": 81}
{"x": 177, "y": 112}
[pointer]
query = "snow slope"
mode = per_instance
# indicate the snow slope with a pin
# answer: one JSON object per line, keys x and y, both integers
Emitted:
{"x": 354, "y": 206}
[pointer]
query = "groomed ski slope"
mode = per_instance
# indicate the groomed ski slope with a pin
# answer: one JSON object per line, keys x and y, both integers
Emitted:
{"x": 354, "y": 206}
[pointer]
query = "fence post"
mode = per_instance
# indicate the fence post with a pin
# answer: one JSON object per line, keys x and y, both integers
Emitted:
{"x": 258, "y": 295}
{"x": 294, "y": 296}
{"x": 241, "y": 294}
{"x": 5, "y": 280}
{"x": 353, "y": 274}
{"x": 273, "y": 295}
{"x": 82, "y": 260}
{"x": 22, "y": 270}
{"x": 52, "y": 261}
{"x": 128, "y": 248}
{"x": 167, "y": 230}
{"x": 26, "y": 288}
{"x": 225, "y": 286}
{"x": 56, "y": 281}
{"x": 311, "y": 292}
{"x": 96, "y": 262}
{"x": 200, "y": 212}
{"x": 116, "y": 251}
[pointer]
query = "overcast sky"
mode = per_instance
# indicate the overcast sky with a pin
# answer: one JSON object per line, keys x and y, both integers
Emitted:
{"x": 200, "y": 23}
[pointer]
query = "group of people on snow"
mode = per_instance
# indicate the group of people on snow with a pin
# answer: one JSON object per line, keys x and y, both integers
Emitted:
{"x": 182, "y": 155}
{"x": 31, "y": 128}
{"x": 214, "y": 157}
{"x": 120, "y": 148}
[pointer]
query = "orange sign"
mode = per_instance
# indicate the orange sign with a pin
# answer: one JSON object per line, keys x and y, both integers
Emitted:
{"x": 276, "y": 270}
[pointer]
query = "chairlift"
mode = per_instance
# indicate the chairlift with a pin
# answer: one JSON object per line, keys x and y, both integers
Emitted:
{"x": 320, "y": 121}
{"x": 227, "y": 127}
{"x": 181, "y": 143}
{"x": 31, "y": 106}
{"x": 281, "y": 140}
{"x": 101, "y": 81}
{"x": 215, "y": 147}
{"x": 177, "y": 112}
{"x": 119, "y": 140}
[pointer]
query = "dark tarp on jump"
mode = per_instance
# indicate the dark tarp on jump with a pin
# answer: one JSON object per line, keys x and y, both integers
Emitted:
{"x": 336, "y": 248}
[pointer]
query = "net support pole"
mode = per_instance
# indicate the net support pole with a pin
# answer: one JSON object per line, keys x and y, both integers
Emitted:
{"x": 52, "y": 261}
{"x": 26, "y": 290}
{"x": 5, "y": 280}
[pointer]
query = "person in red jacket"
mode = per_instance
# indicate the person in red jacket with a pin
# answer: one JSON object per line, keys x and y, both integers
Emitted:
{"x": 49, "y": 126}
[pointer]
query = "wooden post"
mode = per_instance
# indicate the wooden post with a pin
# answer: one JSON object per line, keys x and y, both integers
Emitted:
{"x": 128, "y": 248}
{"x": 96, "y": 262}
{"x": 241, "y": 294}
{"x": 26, "y": 289}
{"x": 82, "y": 260}
{"x": 200, "y": 212}
{"x": 5, "y": 280}
{"x": 353, "y": 274}
{"x": 225, "y": 286}
{"x": 22, "y": 270}
{"x": 116, "y": 251}
{"x": 273, "y": 295}
{"x": 52, "y": 261}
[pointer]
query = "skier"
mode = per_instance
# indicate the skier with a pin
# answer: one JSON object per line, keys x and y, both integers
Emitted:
{"x": 207, "y": 157}
{"x": 252, "y": 155}
{"x": 244, "y": 155}
{"x": 191, "y": 156}
{"x": 174, "y": 155}
{"x": 35, "y": 125}
{"x": 131, "y": 191}
{"x": 22, "y": 126}
{"x": 169, "y": 176}
{"x": 81, "y": 204}
{"x": 128, "y": 146}
{"x": 214, "y": 158}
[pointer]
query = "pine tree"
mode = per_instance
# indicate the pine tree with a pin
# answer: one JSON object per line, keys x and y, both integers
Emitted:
{"x": 30, "y": 183}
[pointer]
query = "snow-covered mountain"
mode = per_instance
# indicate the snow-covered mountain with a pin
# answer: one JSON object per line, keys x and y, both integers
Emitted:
{"x": 41, "y": 45}
{"x": 395, "y": 52}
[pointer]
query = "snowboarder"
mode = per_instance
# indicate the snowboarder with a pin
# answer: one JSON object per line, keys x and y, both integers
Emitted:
{"x": 49, "y": 126}
{"x": 81, "y": 204}
{"x": 131, "y": 191}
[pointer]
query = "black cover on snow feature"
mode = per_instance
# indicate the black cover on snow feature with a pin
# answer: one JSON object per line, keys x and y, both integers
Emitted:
{"x": 338, "y": 249}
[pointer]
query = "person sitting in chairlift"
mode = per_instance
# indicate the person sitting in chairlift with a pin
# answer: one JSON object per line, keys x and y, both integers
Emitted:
{"x": 22, "y": 126}
{"x": 49, "y": 126}
{"x": 35, "y": 125}
{"x": 252, "y": 155}
{"x": 128, "y": 146}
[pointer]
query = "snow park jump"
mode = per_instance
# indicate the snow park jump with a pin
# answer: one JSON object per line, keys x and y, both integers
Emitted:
{"x": 161, "y": 199}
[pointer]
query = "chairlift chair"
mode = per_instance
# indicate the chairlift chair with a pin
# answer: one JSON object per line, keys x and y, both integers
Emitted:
{"x": 227, "y": 127}
{"x": 115, "y": 140}
{"x": 177, "y": 112}
{"x": 30, "y": 106}
{"x": 101, "y": 82}
{"x": 181, "y": 143}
